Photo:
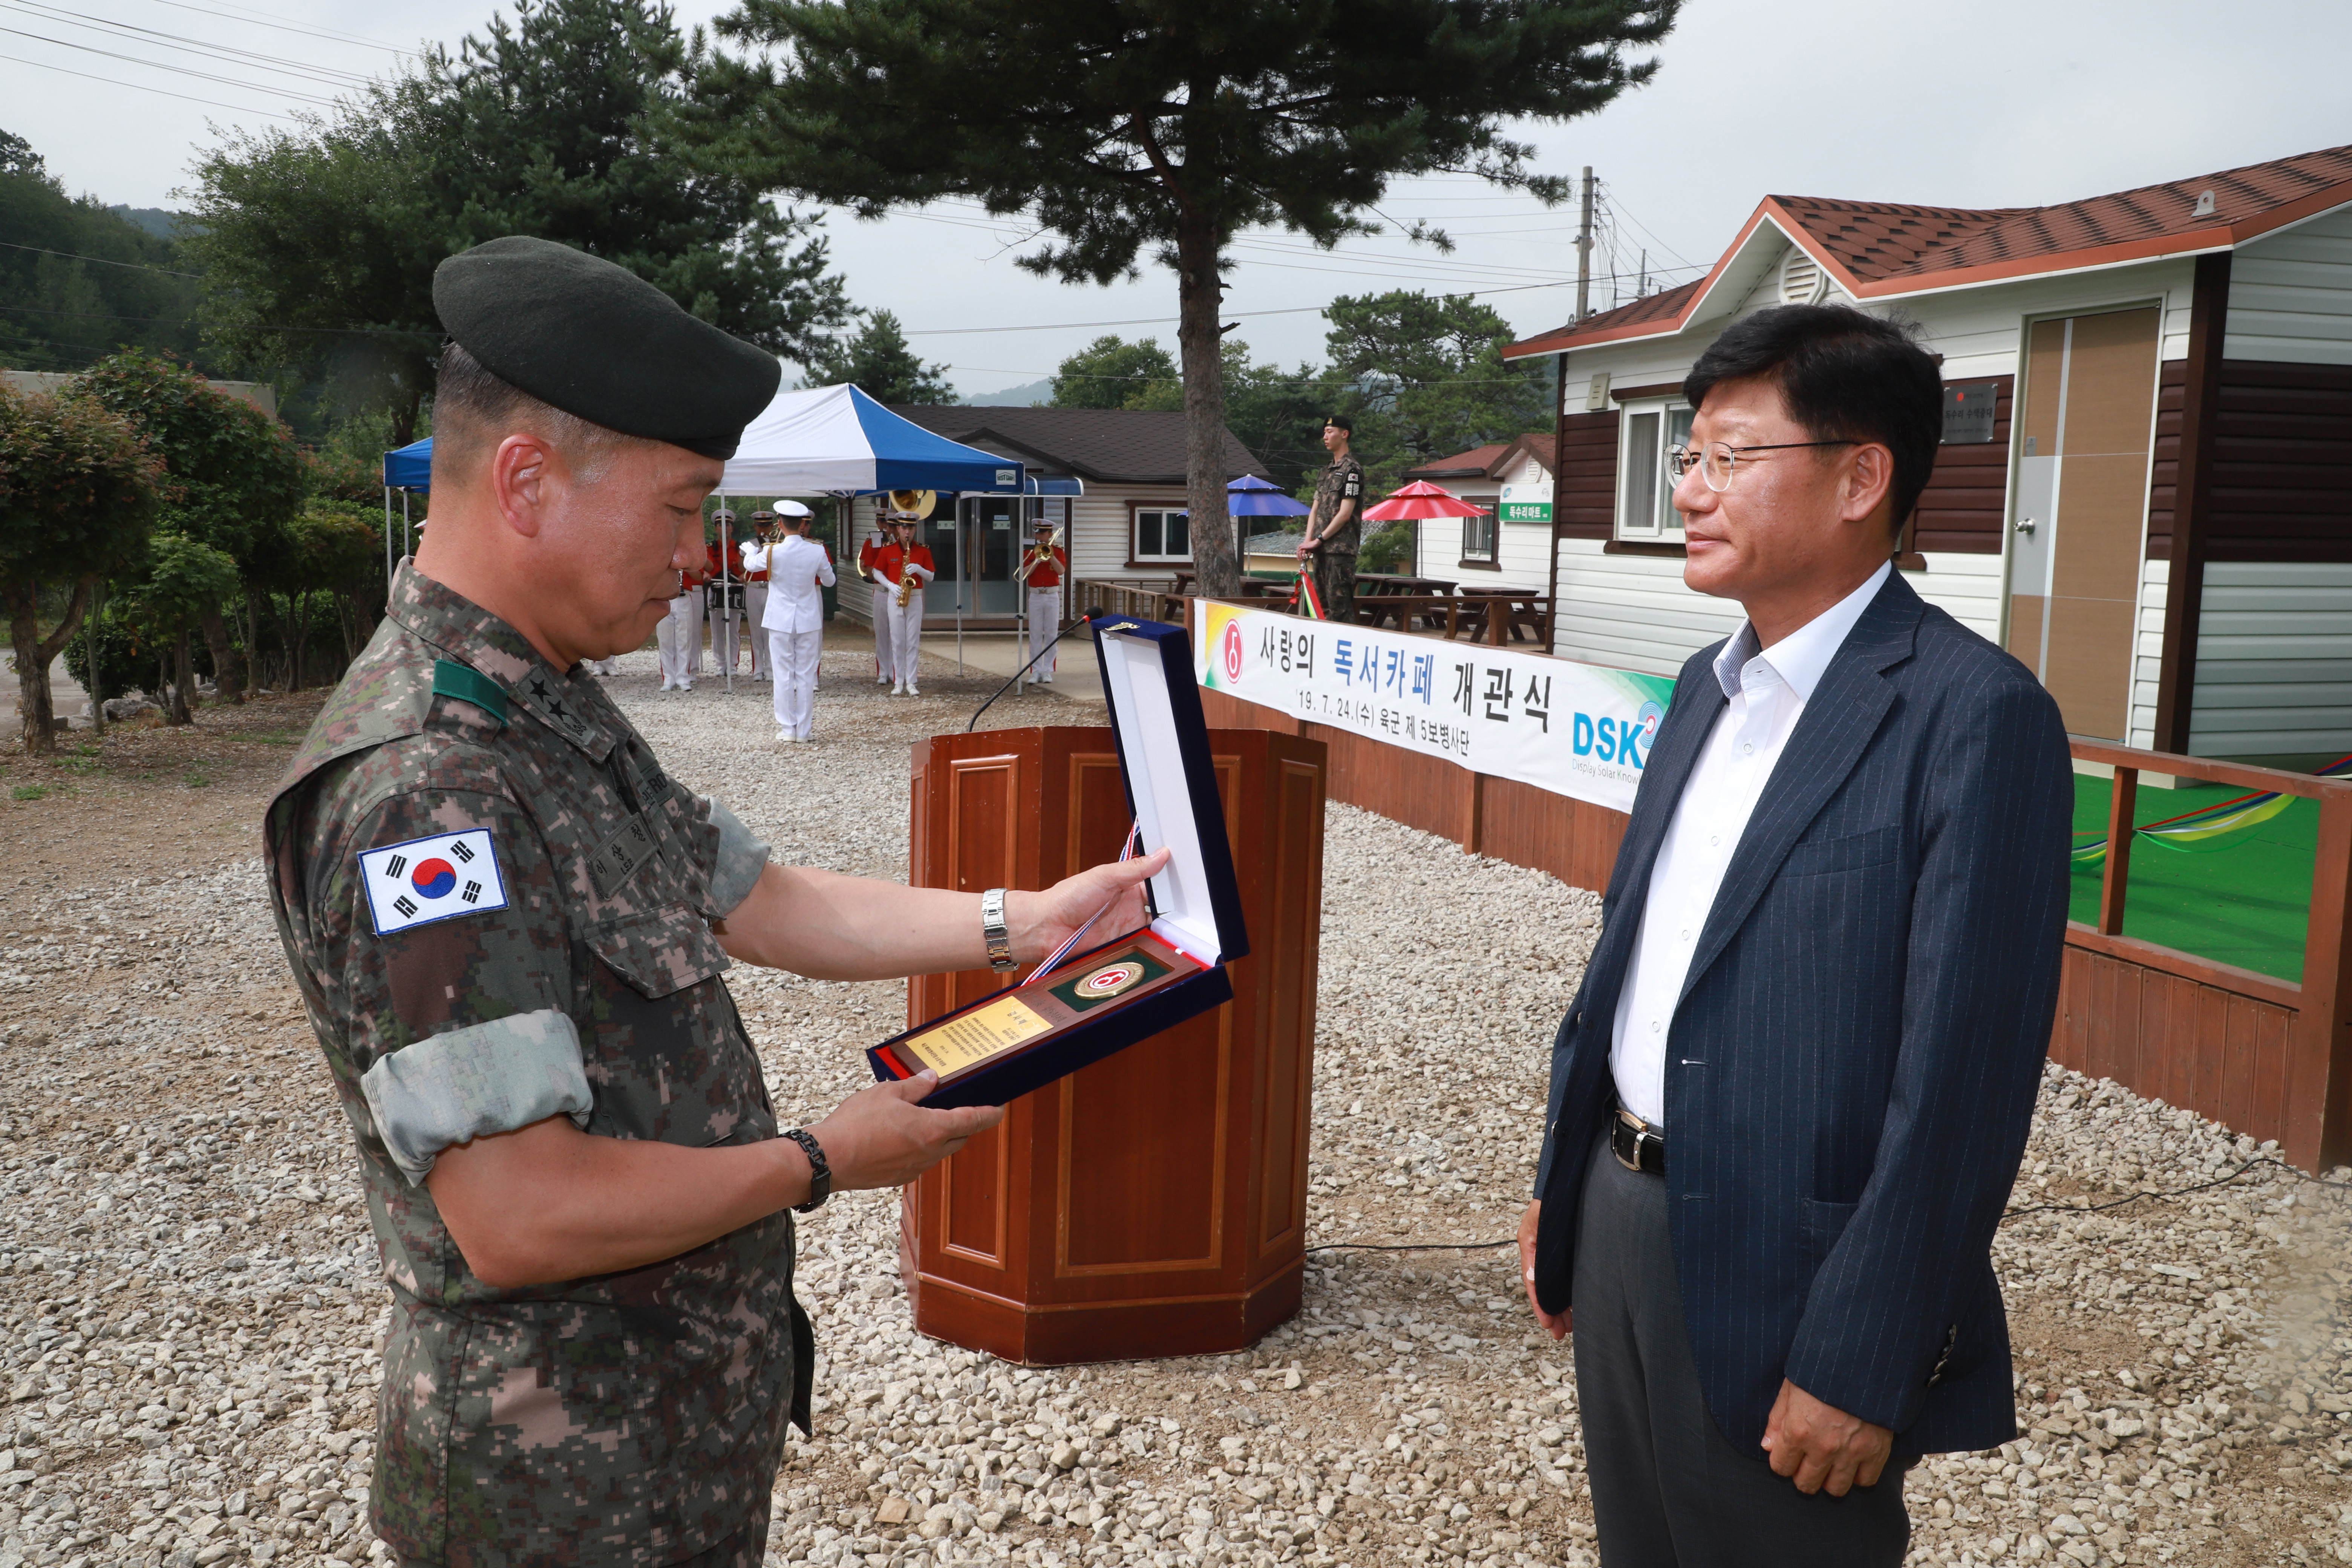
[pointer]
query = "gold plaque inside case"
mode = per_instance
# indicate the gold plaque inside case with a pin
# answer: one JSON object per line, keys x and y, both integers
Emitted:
{"x": 1017, "y": 1019}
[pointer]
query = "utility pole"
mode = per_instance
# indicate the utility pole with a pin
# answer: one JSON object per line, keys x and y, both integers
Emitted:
{"x": 1584, "y": 252}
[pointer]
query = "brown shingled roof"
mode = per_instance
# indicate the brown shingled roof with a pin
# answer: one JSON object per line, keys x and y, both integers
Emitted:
{"x": 1471, "y": 464}
{"x": 1877, "y": 250}
{"x": 1102, "y": 445}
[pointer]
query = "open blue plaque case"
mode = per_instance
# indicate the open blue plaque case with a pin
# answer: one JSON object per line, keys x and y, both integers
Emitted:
{"x": 1196, "y": 904}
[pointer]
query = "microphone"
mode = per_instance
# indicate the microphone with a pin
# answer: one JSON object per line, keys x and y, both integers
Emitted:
{"x": 1087, "y": 619}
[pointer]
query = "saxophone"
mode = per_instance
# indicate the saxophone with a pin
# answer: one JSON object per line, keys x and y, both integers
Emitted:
{"x": 906, "y": 582}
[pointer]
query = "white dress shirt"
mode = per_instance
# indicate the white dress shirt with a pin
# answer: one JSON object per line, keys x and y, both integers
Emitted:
{"x": 1768, "y": 693}
{"x": 797, "y": 567}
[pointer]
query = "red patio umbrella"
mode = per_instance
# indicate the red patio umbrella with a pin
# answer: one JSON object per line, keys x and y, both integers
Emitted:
{"x": 1422, "y": 498}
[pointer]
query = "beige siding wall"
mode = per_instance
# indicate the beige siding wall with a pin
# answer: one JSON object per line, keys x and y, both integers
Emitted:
{"x": 1098, "y": 537}
{"x": 2274, "y": 660}
{"x": 1631, "y": 612}
{"x": 2148, "y": 653}
{"x": 2291, "y": 294}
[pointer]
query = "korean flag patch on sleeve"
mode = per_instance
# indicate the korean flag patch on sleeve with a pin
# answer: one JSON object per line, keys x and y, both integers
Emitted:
{"x": 429, "y": 879}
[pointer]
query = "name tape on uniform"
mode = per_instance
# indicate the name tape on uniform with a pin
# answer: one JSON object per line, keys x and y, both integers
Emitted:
{"x": 429, "y": 879}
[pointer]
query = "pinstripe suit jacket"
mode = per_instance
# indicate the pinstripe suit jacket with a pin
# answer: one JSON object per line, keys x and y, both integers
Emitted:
{"x": 1853, "y": 1061}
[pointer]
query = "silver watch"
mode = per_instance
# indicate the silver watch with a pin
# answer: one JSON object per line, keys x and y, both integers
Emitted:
{"x": 992, "y": 929}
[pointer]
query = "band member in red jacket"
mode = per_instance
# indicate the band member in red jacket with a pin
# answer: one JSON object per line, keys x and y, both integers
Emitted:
{"x": 1043, "y": 566}
{"x": 873, "y": 545}
{"x": 906, "y": 568}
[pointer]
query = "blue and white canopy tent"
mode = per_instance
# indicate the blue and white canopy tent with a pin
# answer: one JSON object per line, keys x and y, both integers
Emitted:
{"x": 824, "y": 440}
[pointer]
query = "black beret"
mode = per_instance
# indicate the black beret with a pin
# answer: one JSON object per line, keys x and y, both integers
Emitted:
{"x": 1341, "y": 422}
{"x": 600, "y": 343}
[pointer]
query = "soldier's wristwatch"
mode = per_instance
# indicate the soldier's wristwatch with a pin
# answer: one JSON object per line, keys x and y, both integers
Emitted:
{"x": 820, "y": 1174}
{"x": 992, "y": 929}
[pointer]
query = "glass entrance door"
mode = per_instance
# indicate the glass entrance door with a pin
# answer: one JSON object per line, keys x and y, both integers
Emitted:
{"x": 980, "y": 538}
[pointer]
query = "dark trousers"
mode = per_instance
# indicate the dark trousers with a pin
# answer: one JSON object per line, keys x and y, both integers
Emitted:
{"x": 1335, "y": 583}
{"x": 747, "y": 1548}
{"x": 1669, "y": 1490}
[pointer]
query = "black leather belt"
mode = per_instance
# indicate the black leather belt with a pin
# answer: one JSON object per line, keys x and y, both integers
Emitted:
{"x": 1637, "y": 1145}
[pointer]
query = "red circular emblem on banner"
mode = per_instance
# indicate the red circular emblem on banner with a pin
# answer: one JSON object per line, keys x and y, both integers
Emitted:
{"x": 1233, "y": 651}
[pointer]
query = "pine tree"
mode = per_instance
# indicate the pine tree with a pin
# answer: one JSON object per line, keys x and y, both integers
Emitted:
{"x": 1122, "y": 127}
{"x": 570, "y": 124}
{"x": 877, "y": 362}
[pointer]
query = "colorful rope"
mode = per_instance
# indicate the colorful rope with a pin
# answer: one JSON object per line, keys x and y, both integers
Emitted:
{"x": 2201, "y": 830}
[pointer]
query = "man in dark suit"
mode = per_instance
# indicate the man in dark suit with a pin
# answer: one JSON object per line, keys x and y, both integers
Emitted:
{"x": 1789, "y": 1102}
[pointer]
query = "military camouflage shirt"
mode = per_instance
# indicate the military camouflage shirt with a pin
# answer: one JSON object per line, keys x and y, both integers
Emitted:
{"x": 500, "y": 910}
{"x": 1342, "y": 481}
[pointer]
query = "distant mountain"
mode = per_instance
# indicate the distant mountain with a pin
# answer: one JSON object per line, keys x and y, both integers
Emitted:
{"x": 1015, "y": 396}
{"x": 157, "y": 221}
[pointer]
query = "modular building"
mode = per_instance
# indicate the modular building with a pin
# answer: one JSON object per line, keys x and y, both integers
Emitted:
{"x": 2147, "y": 423}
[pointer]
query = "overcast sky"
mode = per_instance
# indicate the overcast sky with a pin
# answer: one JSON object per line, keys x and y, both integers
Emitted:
{"x": 1987, "y": 102}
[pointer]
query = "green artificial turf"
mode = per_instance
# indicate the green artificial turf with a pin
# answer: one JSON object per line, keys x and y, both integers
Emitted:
{"x": 2243, "y": 904}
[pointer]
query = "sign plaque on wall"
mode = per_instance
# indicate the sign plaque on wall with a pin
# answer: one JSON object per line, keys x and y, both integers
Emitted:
{"x": 1968, "y": 411}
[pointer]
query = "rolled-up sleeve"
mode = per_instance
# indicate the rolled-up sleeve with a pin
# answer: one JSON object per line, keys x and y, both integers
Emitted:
{"x": 740, "y": 860}
{"x": 474, "y": 1082}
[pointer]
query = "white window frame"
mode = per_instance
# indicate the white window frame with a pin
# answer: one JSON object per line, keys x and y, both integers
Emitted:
{"x": 1654, "y": 424}
{"x": 1135, "y": 537}
{"x": 1492, "y": 526}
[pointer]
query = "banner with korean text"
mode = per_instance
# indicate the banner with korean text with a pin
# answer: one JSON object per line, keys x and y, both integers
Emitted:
{"x": 1577, "y": 730}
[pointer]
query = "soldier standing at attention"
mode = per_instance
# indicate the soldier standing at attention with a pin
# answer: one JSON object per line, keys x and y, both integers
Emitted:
{"x": 1333, "y": 528}
{"x": 509, "y": 927}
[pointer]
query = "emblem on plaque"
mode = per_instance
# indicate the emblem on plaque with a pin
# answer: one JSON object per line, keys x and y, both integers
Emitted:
{"x": 1109, "y": 980}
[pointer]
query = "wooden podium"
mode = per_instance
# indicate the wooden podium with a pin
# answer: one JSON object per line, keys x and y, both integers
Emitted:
{"x": 1155, "y": 1203}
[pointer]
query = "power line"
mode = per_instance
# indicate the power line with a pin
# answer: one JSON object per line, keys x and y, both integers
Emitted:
{"x": 102, "y": 261}
{"x": 284, "y": 27}
{"x": 176, "y": 70}
{"x": 142, "y": 86}
{"x": 328, "y": 76}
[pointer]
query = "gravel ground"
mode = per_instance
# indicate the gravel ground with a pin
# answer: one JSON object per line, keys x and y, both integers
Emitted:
{"x": 192, "y": 1314}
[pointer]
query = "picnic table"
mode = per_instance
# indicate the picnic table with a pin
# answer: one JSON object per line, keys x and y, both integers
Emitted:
{"x": 1370, "y": 584}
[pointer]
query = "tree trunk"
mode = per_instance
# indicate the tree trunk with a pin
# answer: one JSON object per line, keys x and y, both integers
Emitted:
{"x": 228, "y": 679}
{"x": 285, "y": 620}
{"x": 180, "y": 709}
{"x": 34, "y": 654}
{"x": 302, "y": 648}
{"x": 32, "y": 670}
{"x": 1200, "y": 293}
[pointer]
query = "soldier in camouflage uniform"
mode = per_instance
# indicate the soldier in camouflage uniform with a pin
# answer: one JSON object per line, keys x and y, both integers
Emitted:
{"x": 510, "y": 928}
{"x": 1334, "y": 526}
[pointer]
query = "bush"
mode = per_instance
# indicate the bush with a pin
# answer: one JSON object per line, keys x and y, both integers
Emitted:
{"x": 1389, "y": 549}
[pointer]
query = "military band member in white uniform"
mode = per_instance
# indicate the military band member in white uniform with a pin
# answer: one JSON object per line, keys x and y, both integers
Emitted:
{"x": 1043, "y": 567}
{"x": 799, "y": 569}
{"x": 680, "y": 635}
{"x": 755, "y": 588}
{"x": 874, "y": 543}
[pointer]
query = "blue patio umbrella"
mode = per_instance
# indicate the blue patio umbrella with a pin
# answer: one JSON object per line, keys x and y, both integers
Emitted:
{"x": 1254, "y": 497}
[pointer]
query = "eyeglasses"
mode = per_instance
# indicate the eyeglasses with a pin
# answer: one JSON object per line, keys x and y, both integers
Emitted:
{"x": 1715, "y": 460}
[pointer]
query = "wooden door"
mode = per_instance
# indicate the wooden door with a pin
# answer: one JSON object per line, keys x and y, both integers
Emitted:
{"x": 2086, "y": 406}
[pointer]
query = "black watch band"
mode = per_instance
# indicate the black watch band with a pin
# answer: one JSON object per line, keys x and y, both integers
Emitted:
{"x": 820, "y": 1174}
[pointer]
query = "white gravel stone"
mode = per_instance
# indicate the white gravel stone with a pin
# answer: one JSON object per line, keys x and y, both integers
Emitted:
{"x": 190, "y": 1311}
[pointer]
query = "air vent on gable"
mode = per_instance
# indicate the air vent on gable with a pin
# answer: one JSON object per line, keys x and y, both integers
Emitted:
{"x": 1802, "y": 282}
